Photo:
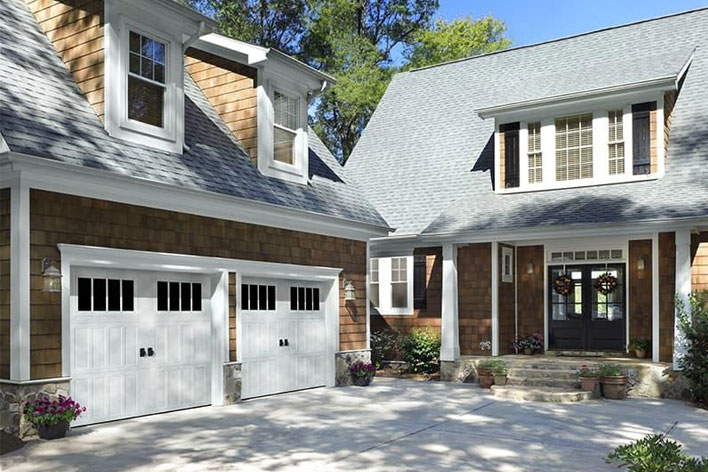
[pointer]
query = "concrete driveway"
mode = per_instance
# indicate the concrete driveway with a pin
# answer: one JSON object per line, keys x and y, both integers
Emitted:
{"x": 394, "y": 425}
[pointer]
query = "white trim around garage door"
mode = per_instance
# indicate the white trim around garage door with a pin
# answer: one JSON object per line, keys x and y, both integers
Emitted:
{"x": 88, "y": 256}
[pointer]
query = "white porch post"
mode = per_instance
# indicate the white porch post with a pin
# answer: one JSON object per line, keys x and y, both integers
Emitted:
{"x": 683, "y": 286}
{"x": 495, "y": 298}
{"x": 19, "y": 281}
{"x": 655, "y": 297}
{"x": 449, "y": 330}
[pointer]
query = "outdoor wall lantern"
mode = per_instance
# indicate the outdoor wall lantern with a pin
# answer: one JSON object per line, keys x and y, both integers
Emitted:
{"x": 529, "y": 268}
{"x": 640, "y": 263}
{"x": 51, "y": 276}
{"x": 349, "y": 290}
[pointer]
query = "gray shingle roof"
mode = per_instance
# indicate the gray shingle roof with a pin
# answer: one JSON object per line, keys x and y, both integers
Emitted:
{"x": 43, "y": 113}
{"x": 426, "y": 158}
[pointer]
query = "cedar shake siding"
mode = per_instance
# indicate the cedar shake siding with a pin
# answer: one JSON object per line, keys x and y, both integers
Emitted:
{"x": 640, "y": 290}
{"x": 60, "y": 218}
{"x": 667, "y": 291}
{"x": 699, "y": 262}
{"x": 5, "y": 283}
{"x": 231, "y": 90}
{"x": 475, "y": 296}
{"x": 428, "y": 316}
{"x": 75, "y": 29}
{"x": 531, "y": 290}
{"x": 507, "y": 312}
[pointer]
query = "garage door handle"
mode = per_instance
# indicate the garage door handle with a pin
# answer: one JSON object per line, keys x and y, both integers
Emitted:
{"x": 286, "y": 342}
{"x": 151, "y": 352}
{"x": 280, "y": 342}
{"x": 142, "y": 352}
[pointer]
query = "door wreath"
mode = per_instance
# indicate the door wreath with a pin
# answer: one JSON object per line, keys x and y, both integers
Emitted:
{"x": 563, "y": 285}
{"x": 606, "y": 283}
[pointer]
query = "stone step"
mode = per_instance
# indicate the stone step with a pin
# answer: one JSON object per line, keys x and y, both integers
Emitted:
{"x": 543, "y": 382}
{"x": 540, "y": 394}
{"x": 570, "y": 374}
{"x": 551, "y": 365}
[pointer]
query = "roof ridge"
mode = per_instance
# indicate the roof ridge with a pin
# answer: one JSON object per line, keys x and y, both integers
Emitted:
{"x": 563, "y": 38}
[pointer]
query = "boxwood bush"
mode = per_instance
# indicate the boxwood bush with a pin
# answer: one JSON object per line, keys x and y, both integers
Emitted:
{"x": 694, "y": 363}
{"x": 421, "y": 349}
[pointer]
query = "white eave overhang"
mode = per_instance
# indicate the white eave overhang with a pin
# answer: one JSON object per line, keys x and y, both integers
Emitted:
{"x": 260, "y": 57}
{"x": 669, "y": 82}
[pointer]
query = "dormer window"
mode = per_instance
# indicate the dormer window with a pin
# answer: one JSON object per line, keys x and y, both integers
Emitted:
{"x": 535, "y": 157}
{"x": 285, "y": 126}
{"x": 616, "y": 142}
{"x": 146, "y": 80}
{"x": 574, "y": 147}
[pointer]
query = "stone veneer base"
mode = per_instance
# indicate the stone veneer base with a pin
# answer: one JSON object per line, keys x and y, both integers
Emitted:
{"x": 13, "y": 396}
{"x": 232, "y": 383}
{"x": 344, "y": 359}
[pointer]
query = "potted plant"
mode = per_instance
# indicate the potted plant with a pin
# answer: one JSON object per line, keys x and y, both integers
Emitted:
{"x": 499, "y": 372}
{"x": 614, "y": 381}
{"x": 485, "y": 371}
{"x": 588, "y": 378}
{"x": 528, "y": 344}
{"x": 50, "y": 417}
{"x": 640, "y": 347}
{"x": 362, "y": 373}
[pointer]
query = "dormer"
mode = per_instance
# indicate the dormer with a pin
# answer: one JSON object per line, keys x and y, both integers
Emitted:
{"x": 263, "y": 96}
{"x": 144, "y": 69}
{"x": 593, "y": 137}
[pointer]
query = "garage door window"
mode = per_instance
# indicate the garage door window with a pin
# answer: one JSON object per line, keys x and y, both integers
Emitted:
{"x": 304, "y": 299}
{"x": 105, "y": 295}
{"x": 179, "y": 296}
{"x": 258, "y": 297}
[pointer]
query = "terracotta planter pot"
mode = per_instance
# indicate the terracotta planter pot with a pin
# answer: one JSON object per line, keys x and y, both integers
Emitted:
{"x": 640, "y": 353}
{"x": 528, "y": 351}
{"x": 614, "y": 388}
{"x": 54, "y": 431}
{"x": 486, "y": 379}
{"x": 499, "y": 379}
{"x": 363, "y": 381}
{"x": 588, "y": 383}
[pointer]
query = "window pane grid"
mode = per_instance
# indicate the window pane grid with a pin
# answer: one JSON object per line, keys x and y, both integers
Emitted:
{"x": 179, "y": 296}
{"x": 534, "y": 153}
{"x": 105, "y": 295}
{"x": 257, "y": 297}
{"x": 616, "y": 142}
{"x": 574, "y": 147}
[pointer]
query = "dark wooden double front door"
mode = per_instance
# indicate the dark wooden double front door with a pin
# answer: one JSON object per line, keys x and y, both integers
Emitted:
{"x": 587, "y": 319}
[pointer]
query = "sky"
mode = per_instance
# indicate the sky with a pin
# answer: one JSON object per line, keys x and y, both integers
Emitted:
{"x": 541, "y": 20}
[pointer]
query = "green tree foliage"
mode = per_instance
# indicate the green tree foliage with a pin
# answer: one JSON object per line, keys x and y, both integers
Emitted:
{"x": 694, "y": 363}
{"x": 460, "y": 38}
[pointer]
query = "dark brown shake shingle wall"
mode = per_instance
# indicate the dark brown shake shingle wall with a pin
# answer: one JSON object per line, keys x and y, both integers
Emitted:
{"x": 531, "y": 290}
{"x": 667, "y": 291}
{"x": 640, "y": 290}
{"x": 475, "y": 296}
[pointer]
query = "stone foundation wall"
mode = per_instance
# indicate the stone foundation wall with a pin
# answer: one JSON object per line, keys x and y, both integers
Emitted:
{"x": 232, "y": 383}
{"x": 344, "y": 359}
{"x": 13, "y": 398}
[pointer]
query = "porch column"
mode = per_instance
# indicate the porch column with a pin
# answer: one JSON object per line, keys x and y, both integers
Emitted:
{"x": 655, "y": 297}
{"x": 19, "y": 281}
{"x": 450, "y": 328}
{"x": 495, "y": 298}
{"x": 683, "y": 286}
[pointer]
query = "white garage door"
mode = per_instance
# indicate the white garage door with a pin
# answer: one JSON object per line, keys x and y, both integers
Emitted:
{"x": 283, "y": 336}
{"x": 140, "y": 342}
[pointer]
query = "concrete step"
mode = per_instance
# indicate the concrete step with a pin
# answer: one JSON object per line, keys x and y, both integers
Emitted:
{"x": 552, "y": 365}
{"x": 543, "y": 382}
{"x": 540, "y": 394}
{"x": 570, "y": 374}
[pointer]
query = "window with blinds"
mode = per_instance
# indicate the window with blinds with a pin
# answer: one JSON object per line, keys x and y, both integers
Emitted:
{"x": 285, "y": 109}
{"x": 574, "y": 147}
{"x": 616, "y": 142}
{"x": 534, "y": 153}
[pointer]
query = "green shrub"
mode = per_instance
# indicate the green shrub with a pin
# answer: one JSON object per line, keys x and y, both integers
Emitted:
{"x": 656, "y": 453}
{"x": 384, "y": 346}
{"x": 421, "y": 349}
{"x": 694, "y": 363}
{"x": 495, "y": 366}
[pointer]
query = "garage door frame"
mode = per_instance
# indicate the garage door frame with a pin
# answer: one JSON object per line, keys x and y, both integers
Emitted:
{"x": 219, "y": 269}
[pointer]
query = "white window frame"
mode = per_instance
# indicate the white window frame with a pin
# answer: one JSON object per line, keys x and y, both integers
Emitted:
{"x": 373, "y": 282}
{"x": 121, "y": 19}
{"x": 385, "y": 289}
{"x": 534, "y": 152}
{"x": 269, "y": 83}
{"x": 507, "y": 272}
{"x": 616, "y": 142}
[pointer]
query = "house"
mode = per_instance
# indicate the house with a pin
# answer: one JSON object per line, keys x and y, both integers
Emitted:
{"x": 557, "y": 188}
{"x": 171, "y": 232}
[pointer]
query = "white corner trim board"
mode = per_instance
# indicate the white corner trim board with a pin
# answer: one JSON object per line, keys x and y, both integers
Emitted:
{"x": 19, "y": 280}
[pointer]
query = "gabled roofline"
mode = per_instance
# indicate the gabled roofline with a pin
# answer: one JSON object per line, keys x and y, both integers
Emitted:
{"x": 562, "y": 38}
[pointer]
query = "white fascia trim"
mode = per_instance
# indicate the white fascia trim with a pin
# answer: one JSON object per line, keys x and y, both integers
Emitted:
{"x": 91, "y": 256}
{"x": 104, "y": 185}
{"x": 4, "y": 148}
{"x": 495, "y": 298}
{"x": 666, "y": 82}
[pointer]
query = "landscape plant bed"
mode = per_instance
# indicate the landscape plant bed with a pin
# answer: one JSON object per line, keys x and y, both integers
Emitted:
{"x": 392, "y": 373}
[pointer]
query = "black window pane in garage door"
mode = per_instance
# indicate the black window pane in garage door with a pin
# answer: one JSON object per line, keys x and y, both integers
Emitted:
{"x": 271, "y": 297}
{"x": 174, "y": 296}
{"x": 197, "y": 297}
{"x": 253, "y": 294}
{"x": 113, "y": 295}
{"x": 84, "y": 294}
{"x": 128, "y": 295}
{"x": 244, "y": 297}
{"x": 162, "y": 296}
{"x": 316, "y": 299}
{"x": 99, "y": 294}
{"x": 262, "y": 297}
{"x": 301, "y": 298}
{"x": 186, "y": 296}
{"x": 293, "y": 298}
{"x": 308, "y": 299}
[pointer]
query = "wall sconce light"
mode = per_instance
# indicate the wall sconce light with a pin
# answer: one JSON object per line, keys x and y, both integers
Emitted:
{"x": 349, "y": 290}
{"x": 529, "y": 268}
{"x": 640, "y": 263}
{"x": 51, "y": 276}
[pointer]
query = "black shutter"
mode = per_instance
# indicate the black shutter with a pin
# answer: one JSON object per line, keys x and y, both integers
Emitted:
{"x": 511, "y": 154}
{"x": 641, "y": 138}
{"x": 419, "y": 282}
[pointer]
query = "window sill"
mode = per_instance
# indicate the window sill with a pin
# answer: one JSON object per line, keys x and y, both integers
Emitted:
{"x": 580, "y": 184}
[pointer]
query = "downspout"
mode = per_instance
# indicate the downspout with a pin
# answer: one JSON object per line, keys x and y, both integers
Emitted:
{"x": 194, "y": 37}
